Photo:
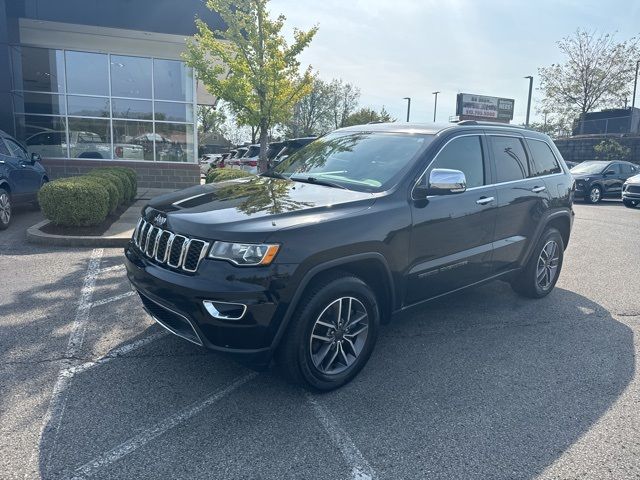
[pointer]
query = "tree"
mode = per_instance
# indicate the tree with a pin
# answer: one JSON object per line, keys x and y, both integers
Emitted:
{"x": 211, "y": 119}
{"x": 368, "y": 115}
{"x": 312, "y": 115}
{"x": 611, "y": 149}
{"x": 250, "y": 65}
{"x": 597, "y": 73}
{"x": 343, "y": 100}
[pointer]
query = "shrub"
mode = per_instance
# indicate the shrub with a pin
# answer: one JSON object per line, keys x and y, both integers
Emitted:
{"x": 129, "y": 192}
{"x": 131, "y": 173}
{"x": 222, "y": 174}
{"x": 77, "y": 201}
{"x": 109, "y": 178}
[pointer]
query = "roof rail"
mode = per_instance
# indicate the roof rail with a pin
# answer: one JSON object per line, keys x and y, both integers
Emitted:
{"x": 487, "y": 123}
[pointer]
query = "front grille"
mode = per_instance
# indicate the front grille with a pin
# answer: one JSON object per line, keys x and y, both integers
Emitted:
{"x": 167, "y": 248}
{"x": 633, "y": 188}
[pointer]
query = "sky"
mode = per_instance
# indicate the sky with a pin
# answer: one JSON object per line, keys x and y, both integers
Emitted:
{"x": 392, "y": 49}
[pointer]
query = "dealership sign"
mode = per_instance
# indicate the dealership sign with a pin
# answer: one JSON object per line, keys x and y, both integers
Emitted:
{"x": 479, "y": 107}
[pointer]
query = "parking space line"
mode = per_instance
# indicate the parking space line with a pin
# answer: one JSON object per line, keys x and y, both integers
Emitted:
{"x": 112, "y": 299}
{"x": 53, "y": 416}
{"x": 116, "y": 353}
{"x": 147, "y": 435}
{"x": 111, "y": 269}
{"x": 360, "y": 468}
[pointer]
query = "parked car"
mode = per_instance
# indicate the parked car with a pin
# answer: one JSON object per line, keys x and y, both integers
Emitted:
{"x": 249, "y": 161}
{"x": 274, "y": 149}
{"x": 210, "y": 160}
{"x": 571, "y": 164}
{"x": 81, "y": 145}
{"x": 631, "y": 191}
{"x": 21, "y": 176}
{"x": 290, "y": 147}
{"x": 234, "y": 160}
{"x": 304, "y": 262}
{"x": 599, "y": 179}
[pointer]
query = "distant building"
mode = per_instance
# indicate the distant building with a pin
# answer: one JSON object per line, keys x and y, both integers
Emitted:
{"x": 213, "y": 142}
{"x": 612, "y": 121}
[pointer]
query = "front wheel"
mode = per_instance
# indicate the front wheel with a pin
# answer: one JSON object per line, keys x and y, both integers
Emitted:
{"x": 629, "y": 203}
{"x": 594, "y": 195}
{"x": 332, "y": 334}
{"x": 5, "y": 209}
{"x": 541, "y": 272}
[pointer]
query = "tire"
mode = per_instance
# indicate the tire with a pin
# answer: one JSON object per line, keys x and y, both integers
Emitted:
{"x": 529, "y": 282}
{"x": 5, "y": 209}
{"x": 300, "y": 356}
{"x": 629, "y": 203}
{"x": 594, "y": 195}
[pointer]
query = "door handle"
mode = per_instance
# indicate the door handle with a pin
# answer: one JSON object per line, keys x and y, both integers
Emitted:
{"x": 538, "y": 189}
{"x": 484, "y": 200}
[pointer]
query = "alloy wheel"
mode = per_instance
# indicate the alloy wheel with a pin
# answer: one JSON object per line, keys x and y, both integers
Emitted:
{"x": 5, "y": 208}
{"x": 595, "y": 195}
{"x": 339, "y": 335}
{"x": 548, "y": 262}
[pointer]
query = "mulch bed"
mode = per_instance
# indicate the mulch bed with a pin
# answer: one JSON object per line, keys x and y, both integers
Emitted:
{"x": 93, "y": 231}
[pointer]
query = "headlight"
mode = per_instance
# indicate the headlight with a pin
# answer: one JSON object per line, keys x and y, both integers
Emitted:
{"x": 244, "y": 253}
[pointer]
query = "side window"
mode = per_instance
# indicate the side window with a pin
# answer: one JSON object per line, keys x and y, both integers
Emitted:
{"x": 510, "y": 158}
{"x": 3, "y": 148}
{"x": 464, "y": 154}
{"x": 544, "y": 161}
{"x": 16, "y": 150}
{"x": 628, "y": 169}
{"x": 615, "y": 167}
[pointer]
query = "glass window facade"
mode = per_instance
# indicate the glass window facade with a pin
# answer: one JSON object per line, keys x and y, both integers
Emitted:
{"x": 73, "y": 104}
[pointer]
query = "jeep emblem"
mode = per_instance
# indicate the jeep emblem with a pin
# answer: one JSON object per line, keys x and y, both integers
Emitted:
{"x": 159, "y": 220}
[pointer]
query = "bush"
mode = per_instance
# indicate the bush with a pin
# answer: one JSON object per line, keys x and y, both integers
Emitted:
{"x": 129, "y": 184}
{"x": 223, "y": 174}
{"x": 131, "y": 173}
{"x": 78, "y": 201}
{"x": 110, "y": 178}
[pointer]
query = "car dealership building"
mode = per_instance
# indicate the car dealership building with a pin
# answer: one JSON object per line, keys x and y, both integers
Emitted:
{"x": 89, "y": 83}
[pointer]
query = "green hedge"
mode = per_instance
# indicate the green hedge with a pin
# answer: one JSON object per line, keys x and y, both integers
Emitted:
{"x": 129, "y": 184}
{"x": 222, "y": 174}
{"x": 76, "y": 201}
{"x": 110, "y": 178}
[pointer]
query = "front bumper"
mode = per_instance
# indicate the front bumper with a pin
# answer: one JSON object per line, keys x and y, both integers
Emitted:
{"x": 176, "y": 300}
{"x": 627, "y": 194}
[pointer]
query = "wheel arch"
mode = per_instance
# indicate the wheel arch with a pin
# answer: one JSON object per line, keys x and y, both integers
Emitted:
{"x": 5, "y": 185}
{"x": 561, "y": 221}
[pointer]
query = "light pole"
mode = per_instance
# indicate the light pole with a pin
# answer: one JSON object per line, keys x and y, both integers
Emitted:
{"x": 635, "y": 84}
{"x": 408, "y": 99}
{"x": 435, "y": 104}
{"x": 529, "y": 99}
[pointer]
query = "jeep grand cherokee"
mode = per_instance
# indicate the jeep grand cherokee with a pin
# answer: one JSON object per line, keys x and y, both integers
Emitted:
{"x": 304, "y": 262}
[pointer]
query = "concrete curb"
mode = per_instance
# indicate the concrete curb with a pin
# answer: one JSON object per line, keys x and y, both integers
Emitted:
{"x": 37, "y": 236}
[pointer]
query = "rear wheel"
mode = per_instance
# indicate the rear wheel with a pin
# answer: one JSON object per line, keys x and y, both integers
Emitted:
{"x": 630, "y": 203}
{"x": 541, "y": 272}
{"x": 5, "y": 209}
{"x": 594, "y": 195}
{"x": 332, "y": 333}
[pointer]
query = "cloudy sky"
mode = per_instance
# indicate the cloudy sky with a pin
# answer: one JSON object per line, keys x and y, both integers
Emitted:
{"x": 409, "y": 48}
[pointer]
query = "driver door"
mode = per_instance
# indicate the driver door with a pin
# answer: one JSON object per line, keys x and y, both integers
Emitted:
{"x": 452, "y": 235}
{"x": 27, "y": 176}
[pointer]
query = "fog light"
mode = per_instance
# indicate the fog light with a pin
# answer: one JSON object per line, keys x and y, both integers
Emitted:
{"x": 225, "y": 310}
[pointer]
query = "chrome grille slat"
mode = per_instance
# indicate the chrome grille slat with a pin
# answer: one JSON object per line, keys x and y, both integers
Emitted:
{"x": 163, "y": 245}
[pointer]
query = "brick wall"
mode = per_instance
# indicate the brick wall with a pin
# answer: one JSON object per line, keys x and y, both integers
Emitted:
{"x": 150, "y": 174}
{"x": 580, "y": 149}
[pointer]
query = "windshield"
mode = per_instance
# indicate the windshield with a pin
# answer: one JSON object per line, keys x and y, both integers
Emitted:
{"x": 590, "y": 168}
{"x": 253, "y": 151}
{"x": 364, "y": 161}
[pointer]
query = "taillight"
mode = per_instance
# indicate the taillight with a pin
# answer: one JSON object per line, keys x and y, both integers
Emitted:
{"x": 119, "y": 152}
{"x": 253, "y": 163}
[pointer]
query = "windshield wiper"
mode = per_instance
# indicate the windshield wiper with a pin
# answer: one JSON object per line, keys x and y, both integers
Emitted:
{"x": 318, "y": 181}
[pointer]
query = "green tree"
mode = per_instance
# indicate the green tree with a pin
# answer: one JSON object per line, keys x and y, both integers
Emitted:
{"x": 250, "y": 65}
{"x": 611, "y": 149}
{"x": 597, "y": 73}
{"x": 343, "y": 100}
{"x": 368, "y": 115}
{"x": 312, "y": 115}
{"x": 211, "y": 119}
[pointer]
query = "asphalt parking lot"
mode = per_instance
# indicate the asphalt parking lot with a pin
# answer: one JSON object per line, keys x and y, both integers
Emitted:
{"x": 482, "y": 384}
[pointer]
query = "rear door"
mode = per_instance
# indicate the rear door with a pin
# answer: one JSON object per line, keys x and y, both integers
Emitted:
{"x": 613, "y": 179}
{"x": 522, "y": 198}
{"x": 452, "y": 235}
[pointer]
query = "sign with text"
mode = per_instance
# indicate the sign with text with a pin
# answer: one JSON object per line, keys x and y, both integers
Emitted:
{"x": 481, "y": 107}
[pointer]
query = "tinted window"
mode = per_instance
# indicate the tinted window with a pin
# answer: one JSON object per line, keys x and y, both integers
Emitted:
{"x": 16, "y": 149}
{"x": 628, "y": 169}
{"x": 130, "y": 77}
{"x": 510, "y": 158}
{"x": 172, "y": 80}
{"x": 464, "y": 154}
{"x": 544, "y": 162}
{"x": 615, "y": 167}
{"x": 87, "y": 73}
{"x": 39, "y": 69}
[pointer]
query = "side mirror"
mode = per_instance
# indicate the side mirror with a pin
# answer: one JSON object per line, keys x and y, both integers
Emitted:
{"x": 609, "y": 172}
{"x": 444, "y": 181}
{"x": 35, "y": 157}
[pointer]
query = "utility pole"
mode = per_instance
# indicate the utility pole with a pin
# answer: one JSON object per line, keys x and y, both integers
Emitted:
{"x": 635, "y": 84}
{"x": 529, "y": 99}
{"x": 408, "y": 99}
{"x": 435, "y": 105}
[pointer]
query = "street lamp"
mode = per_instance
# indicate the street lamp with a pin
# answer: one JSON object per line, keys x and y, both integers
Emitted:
{"x": 408, "y": 99}
{"x": 635, "y": 84}
{"x": 435, "y": 104}
{"x": 529, "y": 100}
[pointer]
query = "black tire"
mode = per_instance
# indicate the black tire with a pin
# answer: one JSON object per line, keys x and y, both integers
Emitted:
{"x": 294, "y": 355}
{"x": 528, "y": 282}
{"x": 594, "y": 195}
{"x": 629, "y": 203}
{"x": 6, "y": 213}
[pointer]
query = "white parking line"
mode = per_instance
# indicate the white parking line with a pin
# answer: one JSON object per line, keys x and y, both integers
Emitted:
{"x": 360, "y": 468}
{"x": 111, "y": 269}
{"x": 112, "y": 299}
{"x": 144, "y": 437}
{"x": 53, "y": 416}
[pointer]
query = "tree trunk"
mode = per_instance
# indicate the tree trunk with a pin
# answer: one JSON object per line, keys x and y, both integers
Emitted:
{"x": 264, "y": 135}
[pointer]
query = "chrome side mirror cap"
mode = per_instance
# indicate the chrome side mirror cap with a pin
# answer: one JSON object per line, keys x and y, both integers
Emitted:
{"x": 445, "y": 181}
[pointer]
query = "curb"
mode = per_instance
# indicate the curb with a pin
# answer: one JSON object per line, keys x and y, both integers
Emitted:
{"x": 37, "y": 236}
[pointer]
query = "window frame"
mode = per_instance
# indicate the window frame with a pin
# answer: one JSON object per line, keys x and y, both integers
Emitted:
{"x": 527, "y": 153}
{"x": 9, "y": 141}
{"x": 532, "y": 159}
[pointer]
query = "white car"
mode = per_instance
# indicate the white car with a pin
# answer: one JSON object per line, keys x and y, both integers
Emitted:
{"x": 81, "y": 145}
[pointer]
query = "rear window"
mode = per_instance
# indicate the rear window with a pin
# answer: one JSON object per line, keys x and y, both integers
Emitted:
{"x": 544, "y": 161}
{"x": 510, "y": 158}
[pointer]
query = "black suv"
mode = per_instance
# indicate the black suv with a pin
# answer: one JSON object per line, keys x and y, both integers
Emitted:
{"x": 21, "y": 176}
{"x": 305, "y": 261}
{"x": 599, "y": 179}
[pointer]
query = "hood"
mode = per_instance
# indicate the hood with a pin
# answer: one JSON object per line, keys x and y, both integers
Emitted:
{"x": 582, "y": 176}
{"x": 250, "y": 210}
{"x": 635, "y": 179}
